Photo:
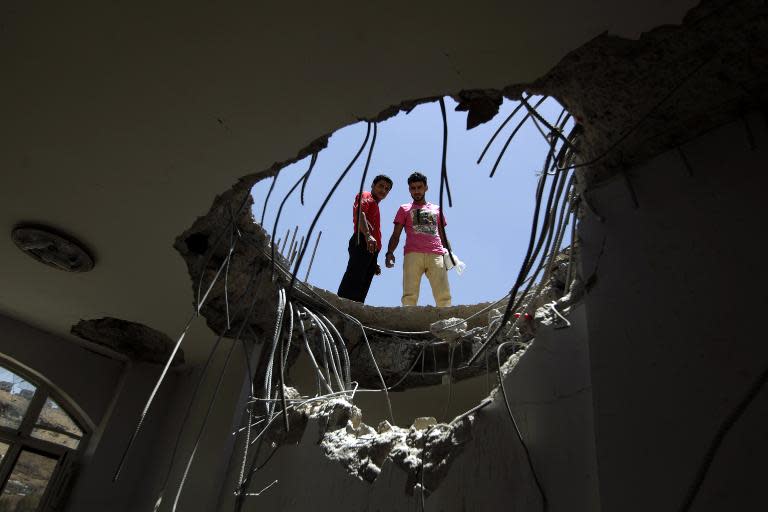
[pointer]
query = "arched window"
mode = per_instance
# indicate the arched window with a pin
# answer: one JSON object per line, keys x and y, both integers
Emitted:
{"x": 39, "y": 441}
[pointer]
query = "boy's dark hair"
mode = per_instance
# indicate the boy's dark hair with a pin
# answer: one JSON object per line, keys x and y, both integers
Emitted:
{"x": 383, "y": 177}
{"x": 417, "y": 176}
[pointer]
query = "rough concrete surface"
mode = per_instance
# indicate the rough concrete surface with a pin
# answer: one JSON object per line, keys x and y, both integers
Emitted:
{"x": 135, "y": 340}
{"x": 424, "y": 451}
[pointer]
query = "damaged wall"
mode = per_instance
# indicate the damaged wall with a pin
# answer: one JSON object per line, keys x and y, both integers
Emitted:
{"x": 660, "y": 354}
{"x": 674, "y": 313}
{"x": 550, "y": 393}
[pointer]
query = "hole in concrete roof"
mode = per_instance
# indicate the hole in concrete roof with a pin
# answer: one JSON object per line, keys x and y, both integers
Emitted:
{"x": 432, "y": 364}
{"x": 137, "y": 341}
{"x": 488, "y": 223}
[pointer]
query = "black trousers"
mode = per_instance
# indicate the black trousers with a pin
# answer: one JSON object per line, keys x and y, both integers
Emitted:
{"x": 361, "y": 268}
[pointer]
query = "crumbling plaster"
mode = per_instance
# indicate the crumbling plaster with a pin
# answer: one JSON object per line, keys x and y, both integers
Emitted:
{"x": 485, "y": 469}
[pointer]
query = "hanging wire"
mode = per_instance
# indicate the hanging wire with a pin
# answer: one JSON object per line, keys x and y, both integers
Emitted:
{"x": 213, "y": 400}
{"x": 269, "y": 193}
{"x": 312, "y": 259}
{"x": 322, "y": 207}
{"x": 717, "y": 441}
{"x": 544, "y": 501}
{"x": 302, "y": 180}
{"x": 359, "y": 198}
{"x": 306, "y": 176}
{"x": 163, "y": 374}
{"x": 511, "y": 136}
{"x": 531, "y": 255}
{"x": 501, "y": 127}
{"x": 444, "y": 182}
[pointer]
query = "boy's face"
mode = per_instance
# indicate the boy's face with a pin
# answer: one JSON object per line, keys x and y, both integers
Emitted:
{"x": 417, "y": 190}
{"x": 380, "y": 189}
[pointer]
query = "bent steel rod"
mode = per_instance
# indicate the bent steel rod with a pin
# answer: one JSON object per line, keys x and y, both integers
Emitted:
{"x": 302, "y": 180}
{"x": 358, "y": 210}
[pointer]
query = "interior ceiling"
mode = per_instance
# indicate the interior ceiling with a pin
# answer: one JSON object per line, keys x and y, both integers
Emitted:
{"x": 121, "y": 121}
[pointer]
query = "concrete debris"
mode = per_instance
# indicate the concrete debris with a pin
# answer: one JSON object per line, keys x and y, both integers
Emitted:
{"x": 450, "y": 329}
{"x": 494, "y": 316}
{"x": 135, "y": 340}
{"x": 425, "y": 450}
{"x": 424, "y": 422}
{"x": 53, "y": 249}
{"x": 555, "y": 313}
{"x": 336, "y": 413}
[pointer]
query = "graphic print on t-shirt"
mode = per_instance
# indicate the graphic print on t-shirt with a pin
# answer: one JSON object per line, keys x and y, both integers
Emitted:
{"x": 424, "y": 221}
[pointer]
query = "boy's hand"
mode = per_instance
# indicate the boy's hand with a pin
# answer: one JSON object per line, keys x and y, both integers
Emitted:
{"x": 389, "y": 261}
{"x": 378, "y": 270}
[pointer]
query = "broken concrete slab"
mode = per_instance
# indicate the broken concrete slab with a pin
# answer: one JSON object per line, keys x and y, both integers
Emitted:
{"x": 137, "y": 341}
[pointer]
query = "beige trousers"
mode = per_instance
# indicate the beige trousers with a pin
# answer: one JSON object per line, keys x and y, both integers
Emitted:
{"x": 416, "y": 264}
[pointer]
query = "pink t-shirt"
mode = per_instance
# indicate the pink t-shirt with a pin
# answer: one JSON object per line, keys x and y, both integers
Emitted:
{"x": 420, "y": 222}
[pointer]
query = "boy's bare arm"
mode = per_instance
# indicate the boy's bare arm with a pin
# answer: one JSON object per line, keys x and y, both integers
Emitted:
{"x": 394, "y": 240}
{"x": 363, "y": 227}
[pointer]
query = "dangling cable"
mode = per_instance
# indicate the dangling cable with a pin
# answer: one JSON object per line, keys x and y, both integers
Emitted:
{"x": 501, "y": 127}
{"x": 300, "y": 257}
{"x": 269, "y": 193}
{"x": 302, "y": 180}
{"x": 512, "y": 135}
{"x": 358, "y": 210}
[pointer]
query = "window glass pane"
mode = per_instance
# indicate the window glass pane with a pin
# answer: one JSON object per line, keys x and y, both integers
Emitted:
{"x": 26, "y": 485}
{"x": 15, "y": 395}
{"x": 56, "y": 426}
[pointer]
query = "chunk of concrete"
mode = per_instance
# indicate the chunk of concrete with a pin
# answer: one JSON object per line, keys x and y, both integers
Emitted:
{"x": 449, "y": 329}
{"x": 424, "y": 422}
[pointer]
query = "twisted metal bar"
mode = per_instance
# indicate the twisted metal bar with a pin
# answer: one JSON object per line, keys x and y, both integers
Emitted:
{"x": 358, "y": 210}
{"x": 498, "y": 130}
{"x": 269, "y": 193}
{"x": 163, "y": 374}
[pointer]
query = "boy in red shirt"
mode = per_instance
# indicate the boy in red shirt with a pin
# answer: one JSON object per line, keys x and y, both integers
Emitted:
{"x": 365, "y": 243}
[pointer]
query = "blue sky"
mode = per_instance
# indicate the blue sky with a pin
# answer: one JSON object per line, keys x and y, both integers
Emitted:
{"x": 488, "y": 225}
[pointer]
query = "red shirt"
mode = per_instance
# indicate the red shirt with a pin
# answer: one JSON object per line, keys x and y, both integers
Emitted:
{"x": 370, "y": 208}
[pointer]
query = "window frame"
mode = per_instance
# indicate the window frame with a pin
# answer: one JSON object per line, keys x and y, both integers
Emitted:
{"x": 20, "y": 438}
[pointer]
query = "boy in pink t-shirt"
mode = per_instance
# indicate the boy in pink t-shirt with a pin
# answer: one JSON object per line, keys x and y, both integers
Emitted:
{"x": 424, "y": 245}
